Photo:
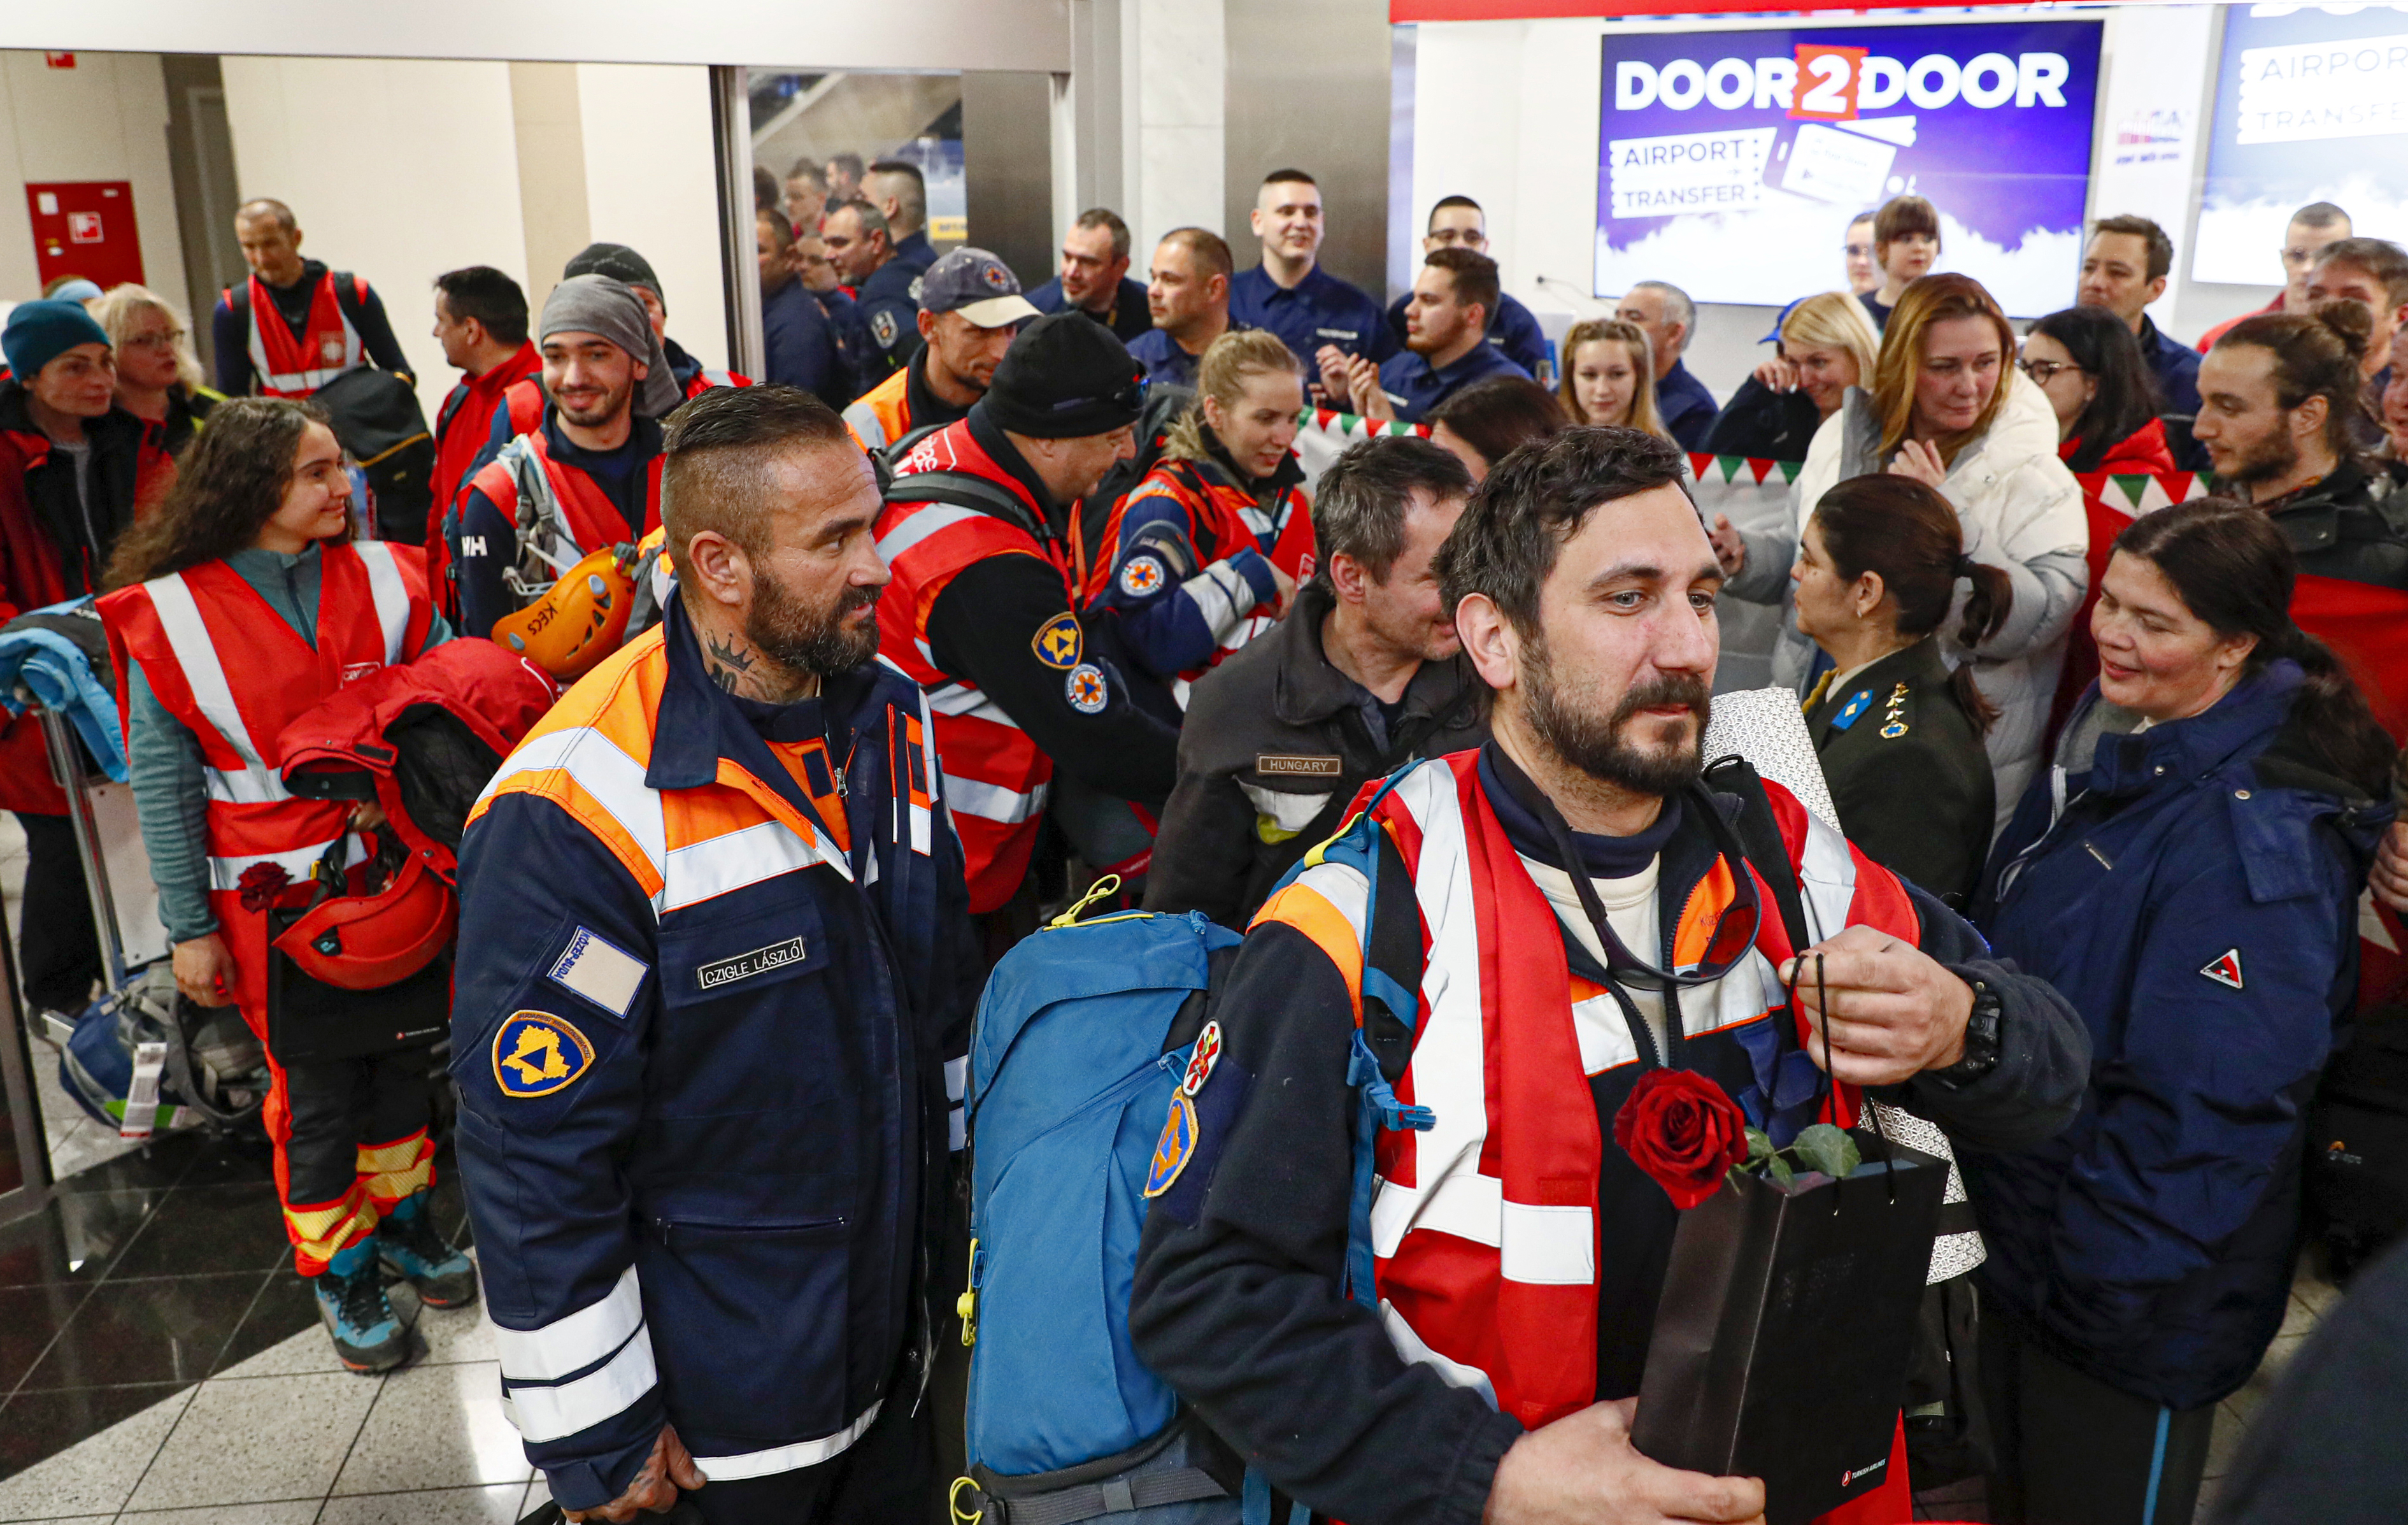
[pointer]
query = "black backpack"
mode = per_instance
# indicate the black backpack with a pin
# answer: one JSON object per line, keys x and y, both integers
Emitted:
{"x": 2357, "y": 1141}
{"x": 377, "y": 418}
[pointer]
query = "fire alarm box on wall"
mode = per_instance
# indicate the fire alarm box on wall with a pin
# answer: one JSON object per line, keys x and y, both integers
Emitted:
{"x": 86, "y": 229}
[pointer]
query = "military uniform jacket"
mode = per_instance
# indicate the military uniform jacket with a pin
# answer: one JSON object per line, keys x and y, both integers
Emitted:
{"x": 1274, "y": 748}
{"x": 705, "y": 1042}
{"x": 1907, "y": 769}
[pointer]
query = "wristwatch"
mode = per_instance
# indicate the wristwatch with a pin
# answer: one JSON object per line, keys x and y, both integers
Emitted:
{"x": 1981, "y": 1037}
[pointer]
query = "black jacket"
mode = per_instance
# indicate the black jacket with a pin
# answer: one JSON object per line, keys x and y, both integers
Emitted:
{"x": 1240, "y": 1309}
{"x": 1763, "y": 424}
{"x": 83, "y": 531}
{"x": 1907, "y": 771}
{"x": 1274, "y": 747}
{"x": 2344, "y": 525}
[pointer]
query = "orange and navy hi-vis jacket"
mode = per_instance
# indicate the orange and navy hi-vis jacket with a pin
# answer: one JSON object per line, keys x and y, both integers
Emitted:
{"x": 328, "y": 344}
{"x": 709, "y": 1041}
{"x": 235, "y": 674}
{"x": 1187, "y": 562}
{"x": 883, "y": 414}
{"x": 995, "y": 778}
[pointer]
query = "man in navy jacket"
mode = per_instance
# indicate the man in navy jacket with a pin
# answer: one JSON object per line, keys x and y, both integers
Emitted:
{"x": 706, "y": 1033}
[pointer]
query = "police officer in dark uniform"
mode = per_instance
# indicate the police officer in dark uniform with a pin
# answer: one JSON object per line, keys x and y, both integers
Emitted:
{"x": 1899, "y": 732}
{"x": 885, "y": 287}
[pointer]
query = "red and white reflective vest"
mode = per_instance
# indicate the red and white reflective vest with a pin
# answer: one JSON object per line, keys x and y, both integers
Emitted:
{"x": 232, "y": 670}
{"x": 1484, "y": 1228}
{"x": 572, "y": 517}
{"x": 995, "y": 778}
{"x": 705, "y": 379}
{"x": 287, "y": 367}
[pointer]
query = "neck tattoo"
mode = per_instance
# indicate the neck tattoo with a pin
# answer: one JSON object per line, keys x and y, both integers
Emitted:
{"x": 737, "y": 669}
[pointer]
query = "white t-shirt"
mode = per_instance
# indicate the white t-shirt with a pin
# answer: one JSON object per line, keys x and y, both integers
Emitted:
{"x": 1630, "y": 910}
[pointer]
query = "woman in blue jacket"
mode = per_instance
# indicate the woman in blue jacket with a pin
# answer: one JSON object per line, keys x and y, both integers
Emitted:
{"x": 2188, "y": 875}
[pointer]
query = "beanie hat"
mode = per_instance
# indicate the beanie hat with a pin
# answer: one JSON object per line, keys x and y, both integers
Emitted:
{"x": 596, "y": 304}
{"x": 1067, "y": 376}
{"x": 620, "y": 262}
{"x": 38, "y": 333}
{"x": 76, "y": 289}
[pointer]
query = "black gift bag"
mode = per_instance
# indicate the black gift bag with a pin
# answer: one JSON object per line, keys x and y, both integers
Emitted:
{"x": 1782, "y": 1337}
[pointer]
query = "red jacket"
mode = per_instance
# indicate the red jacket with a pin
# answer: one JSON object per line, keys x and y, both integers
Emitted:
{"x": 462, "y": 423}
{"x": 2143, "y": 450}
{"x": 369, "y": 727}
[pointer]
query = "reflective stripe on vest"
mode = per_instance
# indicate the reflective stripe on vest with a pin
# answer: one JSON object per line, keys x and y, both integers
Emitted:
{"x": 883, "y": 414}
{"x": 328, "y": 346}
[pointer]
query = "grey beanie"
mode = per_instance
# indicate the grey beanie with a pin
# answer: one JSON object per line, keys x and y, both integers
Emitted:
{"x": 596, "y": 304}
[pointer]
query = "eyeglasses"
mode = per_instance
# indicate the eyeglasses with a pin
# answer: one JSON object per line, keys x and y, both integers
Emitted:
{"x": 2045, "y": 371}
{"x": 1857, "y": 250}
{"x": 168, "y": 340}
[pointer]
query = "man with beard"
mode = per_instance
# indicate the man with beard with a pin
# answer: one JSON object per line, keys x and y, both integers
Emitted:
{"x": 2278, "y": 396}
{"x": 703, "y": 1033}
{"x": 587, "y": 476}
{"x": 1519, "y": 1251}
{"x": 970, "y": 308}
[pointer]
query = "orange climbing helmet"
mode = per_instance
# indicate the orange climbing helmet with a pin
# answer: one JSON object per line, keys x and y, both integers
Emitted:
{"x": 579, "y": 620}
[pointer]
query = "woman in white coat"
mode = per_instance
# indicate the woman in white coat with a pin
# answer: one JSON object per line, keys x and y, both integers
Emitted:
{"x": 1946, "y": 408}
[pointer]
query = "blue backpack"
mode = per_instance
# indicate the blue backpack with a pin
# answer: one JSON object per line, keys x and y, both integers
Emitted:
{"x": 1082, "y": 1038}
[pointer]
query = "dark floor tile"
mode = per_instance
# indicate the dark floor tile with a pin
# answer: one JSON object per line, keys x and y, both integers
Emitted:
{"x": 449, "y": 1203}
{"x": 228, "y": 1161}
{"x": 30, "y": 1317}
{"x": 37, "y": 1424}
{"x": 284, "y": 1307}
{"x": 167, "y": 1330}
{"x": 75, "y": 1236}
{"x": 205, "y": 1228}
{"x": 156, "y": 1166}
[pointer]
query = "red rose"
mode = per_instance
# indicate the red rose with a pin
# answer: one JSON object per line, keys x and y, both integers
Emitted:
{"x": 1683, "y": 1130}
{"x": 261, "y": 885}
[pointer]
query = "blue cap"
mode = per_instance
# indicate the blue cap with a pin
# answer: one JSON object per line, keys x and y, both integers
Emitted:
{"x": 1774, "y": 337}
{"x": 39, "y": 332}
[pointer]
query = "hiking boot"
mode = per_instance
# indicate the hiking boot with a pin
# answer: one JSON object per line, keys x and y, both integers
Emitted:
{"x": 368, "y": 1336}
{"x": 411, "y": 1248}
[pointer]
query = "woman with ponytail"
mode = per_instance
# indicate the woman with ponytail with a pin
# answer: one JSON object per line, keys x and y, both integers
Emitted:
{"x": 1899, "y": 731}
{"x": 2187, "y": 873}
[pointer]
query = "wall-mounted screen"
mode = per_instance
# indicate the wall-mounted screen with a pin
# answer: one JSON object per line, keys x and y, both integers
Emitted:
{"x": 2310, "y": 105}
{"x": 1730, "y": 163}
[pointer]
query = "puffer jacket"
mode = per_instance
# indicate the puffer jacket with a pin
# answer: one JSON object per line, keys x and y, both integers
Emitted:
{"x": 2022, "y": 512}
{"x": 2195, "y": 897}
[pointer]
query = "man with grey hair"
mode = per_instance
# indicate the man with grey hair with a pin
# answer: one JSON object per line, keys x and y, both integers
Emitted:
{"x": 860, "y": 243}
{"x": 1363, "y": 675}
{"x": 896, "y": 188}
{"x": 1095, "y": 276}
{"x": 1668, "y": 317}
{"x": 585, "y": 475}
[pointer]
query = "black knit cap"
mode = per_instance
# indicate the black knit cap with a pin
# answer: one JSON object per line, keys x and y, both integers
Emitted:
{"x": 617, "y": 260}
{"x": 1067, "y": 376}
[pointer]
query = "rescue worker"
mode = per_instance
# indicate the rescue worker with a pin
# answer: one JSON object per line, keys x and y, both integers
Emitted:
{"x": 235, "y": 608}
{"x": 704, "y": 1044}
{"x": 623, "y": 265}
{"x": 1364, "y": 674}
{"x": 970, "y": 309}
{"x": 983, "y": 615}
{"x": 1311, "y": 311}
{"x": 1188, "y": 300}
{"x": 593, "y": 464}
{"x": 798, "y": 342}
{"x": 859, "y": 245}
{"x": 76, "y": 471}
{"x": 899, "y": 192}
{"x": 1492, "y": 1382}
{"x": 1204, "y": 553}
{"x": 817, "y": 272}
{"x": 481, "y": 319}
{"x": 1458, "y": 222}
{"x": 325, "y": 321}
{"x": 1095, "y": 276}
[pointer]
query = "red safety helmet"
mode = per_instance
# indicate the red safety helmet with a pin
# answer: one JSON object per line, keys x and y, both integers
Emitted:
{"x": 368, "y": 941}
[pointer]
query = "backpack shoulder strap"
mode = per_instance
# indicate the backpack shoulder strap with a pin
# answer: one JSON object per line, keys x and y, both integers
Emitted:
{"x": 963, "y": 490}
{"x": 1760, "y": 835}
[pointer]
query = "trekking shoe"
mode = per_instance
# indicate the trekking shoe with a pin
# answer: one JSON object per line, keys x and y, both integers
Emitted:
{"x": 368, "y": 1336}
{"x": 411, "y": 1248}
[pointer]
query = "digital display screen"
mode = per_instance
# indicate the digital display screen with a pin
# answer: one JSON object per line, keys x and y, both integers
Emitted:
{"x": 2310, "y": 105}
{"x": 1731, "y": 163}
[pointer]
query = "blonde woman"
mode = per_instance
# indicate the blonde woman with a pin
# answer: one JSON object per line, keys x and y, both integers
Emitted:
{"x": 1946, "y": 408}
{"x": 1205, "y": 550}
{"x": 1608, "y": 366}
{"x": 158, "y": 376}
{"x": 1824, "y": 345}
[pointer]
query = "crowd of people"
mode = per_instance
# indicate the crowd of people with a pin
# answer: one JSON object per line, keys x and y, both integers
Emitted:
{"x": 988, "y": 598}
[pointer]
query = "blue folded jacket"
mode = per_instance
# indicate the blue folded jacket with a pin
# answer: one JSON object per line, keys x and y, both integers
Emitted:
{"x": 43, "y": 667}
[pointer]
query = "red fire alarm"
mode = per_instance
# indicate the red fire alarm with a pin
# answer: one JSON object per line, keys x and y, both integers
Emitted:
{"x": 59, "y": 61}
{"x": 86, "y": 229}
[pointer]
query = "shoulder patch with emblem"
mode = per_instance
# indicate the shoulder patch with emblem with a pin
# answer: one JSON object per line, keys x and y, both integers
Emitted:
{"x": 1857, "y": 704}
{"x": 2226, "y": 969}
{"x": 599, "y": 969}
{"x": 882, "y": 328}
{"x": 536, "y": 1054}
{"x": 1141, "y": 575}
{"x": 1087, "y": 690}
{"x": 1056, "y": 641}
{"x": 1175, "y": 1148}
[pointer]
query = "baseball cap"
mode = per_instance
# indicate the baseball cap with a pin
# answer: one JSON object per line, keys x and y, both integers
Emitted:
{"x": 977, "y": 285}
{"x": 1778, "y": 323}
